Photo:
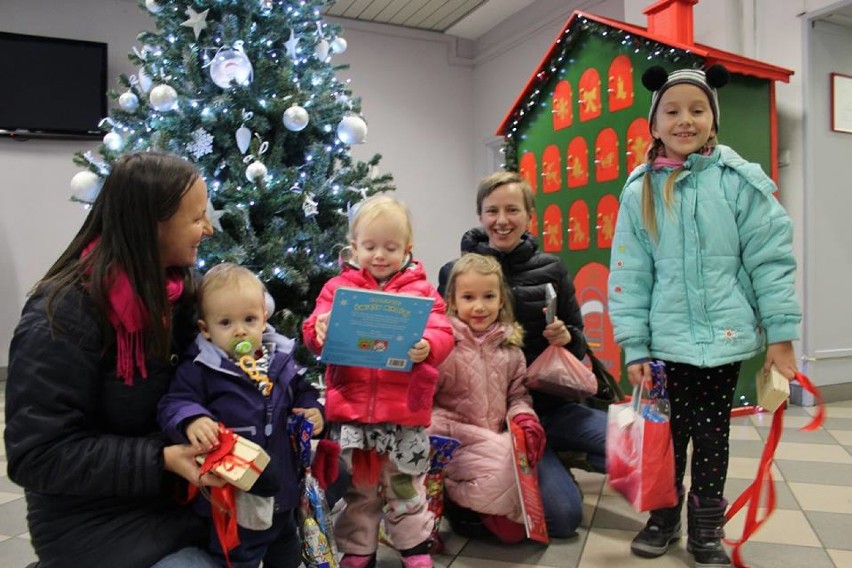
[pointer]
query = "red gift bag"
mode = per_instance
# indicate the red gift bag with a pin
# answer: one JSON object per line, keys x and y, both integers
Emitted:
{"x": 557, "y": 371}
{"x": 640, "y": 456}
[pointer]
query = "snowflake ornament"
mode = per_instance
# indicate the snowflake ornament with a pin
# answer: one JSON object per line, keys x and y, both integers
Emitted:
{"x": 201, "y": 145}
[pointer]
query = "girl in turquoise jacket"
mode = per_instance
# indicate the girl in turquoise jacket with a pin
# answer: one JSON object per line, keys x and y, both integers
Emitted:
{"x": 701, "y": 277}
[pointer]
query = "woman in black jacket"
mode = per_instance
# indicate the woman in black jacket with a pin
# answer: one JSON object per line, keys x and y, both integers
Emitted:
{"x": 504, "y": 204}
{"x": 90, "y": 358}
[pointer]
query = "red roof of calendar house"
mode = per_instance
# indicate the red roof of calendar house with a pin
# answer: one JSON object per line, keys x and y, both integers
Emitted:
{"x": 670, "y": 24}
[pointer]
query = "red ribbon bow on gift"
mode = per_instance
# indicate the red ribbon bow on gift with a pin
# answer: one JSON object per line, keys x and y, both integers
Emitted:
{"x": 752, "y": 494}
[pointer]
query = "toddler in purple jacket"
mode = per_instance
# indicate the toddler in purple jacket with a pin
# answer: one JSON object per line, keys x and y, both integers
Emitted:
{"x": 240, "y": 372}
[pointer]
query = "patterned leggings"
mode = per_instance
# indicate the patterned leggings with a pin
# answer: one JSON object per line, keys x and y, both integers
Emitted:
{"x": 701, "y": 400}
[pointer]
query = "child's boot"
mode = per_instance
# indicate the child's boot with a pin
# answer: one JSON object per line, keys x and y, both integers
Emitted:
{"x": 358, "y": 561}
{"x": 661, "y": 530}
{"x": 418, "y": 556}
{"x": 705, "y": 518}
{"x": 509, "y": 532}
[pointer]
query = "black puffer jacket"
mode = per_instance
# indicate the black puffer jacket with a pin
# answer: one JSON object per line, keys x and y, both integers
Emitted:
{"x": 86, "y": 447}
{"x": 527, "y": 271}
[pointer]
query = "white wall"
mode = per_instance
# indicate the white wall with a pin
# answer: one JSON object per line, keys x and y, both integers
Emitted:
{"x": 828, "y": 337}
{"x": 37, "y": 220}
{"x": 506, "y": 58}
{"x": 416, "y": 92}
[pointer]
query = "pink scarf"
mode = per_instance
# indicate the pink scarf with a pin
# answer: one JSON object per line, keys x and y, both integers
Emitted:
{"x": 128, "y": 316}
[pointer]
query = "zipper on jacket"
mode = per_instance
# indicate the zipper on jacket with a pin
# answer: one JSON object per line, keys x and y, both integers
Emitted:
{"x": 374, "y": 388}
{"x": 267, "y": 429}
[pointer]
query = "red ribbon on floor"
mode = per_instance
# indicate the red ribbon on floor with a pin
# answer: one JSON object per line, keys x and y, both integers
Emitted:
{"x": 752, "y": 494}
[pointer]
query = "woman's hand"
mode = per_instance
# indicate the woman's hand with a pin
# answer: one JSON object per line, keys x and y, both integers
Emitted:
{"x": 556, "y": 333}
{"x": 419, "y": 351}
{"x": 203, "y": 433}
{"x": 783, "y": 357}
{"x": 180, "y": 459}
{"x": 638, "y": 373}
{"x": 321, "y": 328}
{"x": 314, "y": 416}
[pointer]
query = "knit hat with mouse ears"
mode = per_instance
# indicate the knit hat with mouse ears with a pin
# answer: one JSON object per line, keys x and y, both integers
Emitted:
{"x": 658, "y": 80}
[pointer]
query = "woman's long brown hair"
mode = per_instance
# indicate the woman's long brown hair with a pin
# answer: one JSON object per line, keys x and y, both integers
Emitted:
{"x": 142, "y": 190}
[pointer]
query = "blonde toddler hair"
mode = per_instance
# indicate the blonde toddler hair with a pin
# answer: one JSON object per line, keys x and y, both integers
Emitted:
{"x": 485, "y": 265}
{"x": 228, "y": 275}
{"x": 377, "y": 206}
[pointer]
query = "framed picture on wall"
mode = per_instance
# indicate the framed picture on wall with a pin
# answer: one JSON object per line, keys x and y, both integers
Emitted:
{"x": 841, "y": 103}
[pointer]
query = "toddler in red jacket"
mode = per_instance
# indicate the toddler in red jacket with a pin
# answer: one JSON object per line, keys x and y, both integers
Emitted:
{"x": 380, "y": 417}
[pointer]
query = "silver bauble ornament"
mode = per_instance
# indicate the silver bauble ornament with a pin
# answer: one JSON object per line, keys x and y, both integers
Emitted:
{"x": 231, "y": 65}
{"x": 128, "y": 101}
{"x": 114, "y": 141}
{"x": 338, "y": 45}
{"x": 163, "y": 98}
{"x": 352, "y": 129}
{"x": 153, "y": 7}
{"x": 295, "y": 118}
{"x": 85, "y": 186}
{"x": 255, "y": 171}
{"x": 321, "y": 49}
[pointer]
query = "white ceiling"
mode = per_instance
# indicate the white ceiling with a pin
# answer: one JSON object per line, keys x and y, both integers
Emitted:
{"x": 468, "y": 19}
{"x": 462, "y": 18}
{"x": 841, "y": 16}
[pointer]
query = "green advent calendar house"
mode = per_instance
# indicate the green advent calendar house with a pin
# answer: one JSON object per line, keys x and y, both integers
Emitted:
{"x": 580, "y": 126}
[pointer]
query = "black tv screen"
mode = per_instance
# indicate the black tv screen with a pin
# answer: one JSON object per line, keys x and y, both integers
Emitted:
{"x": 51, "y": 86}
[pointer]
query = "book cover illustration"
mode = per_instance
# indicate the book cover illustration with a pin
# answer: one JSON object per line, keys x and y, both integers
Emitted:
{"x": 527, "y": 479}
{"x": 374, "y": 329}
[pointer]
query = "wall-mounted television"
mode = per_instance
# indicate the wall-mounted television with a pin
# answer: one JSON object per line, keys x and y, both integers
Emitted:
{"x": 51, "y": 87}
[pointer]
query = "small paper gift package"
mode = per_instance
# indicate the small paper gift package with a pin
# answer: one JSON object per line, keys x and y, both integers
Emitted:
{"x": 237, "y": 460}
{"x": 773, "y": 389}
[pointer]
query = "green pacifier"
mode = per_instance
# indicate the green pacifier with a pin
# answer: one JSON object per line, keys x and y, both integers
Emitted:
{"x": 244, "y": 347}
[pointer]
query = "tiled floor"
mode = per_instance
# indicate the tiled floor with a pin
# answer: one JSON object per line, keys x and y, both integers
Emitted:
{"x": 811, "y": 527}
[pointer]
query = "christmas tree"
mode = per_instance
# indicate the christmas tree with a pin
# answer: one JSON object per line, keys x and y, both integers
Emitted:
{"x": 247, "y": 90}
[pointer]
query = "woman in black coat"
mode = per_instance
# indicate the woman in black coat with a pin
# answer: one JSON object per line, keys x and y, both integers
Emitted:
{"x": 90, "y": 358}
{"x": 504, "y": 204}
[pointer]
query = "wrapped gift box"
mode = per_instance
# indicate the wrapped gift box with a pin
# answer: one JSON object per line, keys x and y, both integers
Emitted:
{"x": 243, "y": 465}
{"x": 773, "y": 389}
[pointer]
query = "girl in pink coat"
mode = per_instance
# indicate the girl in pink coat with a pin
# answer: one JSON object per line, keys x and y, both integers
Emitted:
{"x": 480, "y": 385}
{"x": 380, "y": 417}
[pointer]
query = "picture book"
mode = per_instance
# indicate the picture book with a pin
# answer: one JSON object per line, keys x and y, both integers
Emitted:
{"x": 374, "y": 329}
{"x": 527, "y": 479}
